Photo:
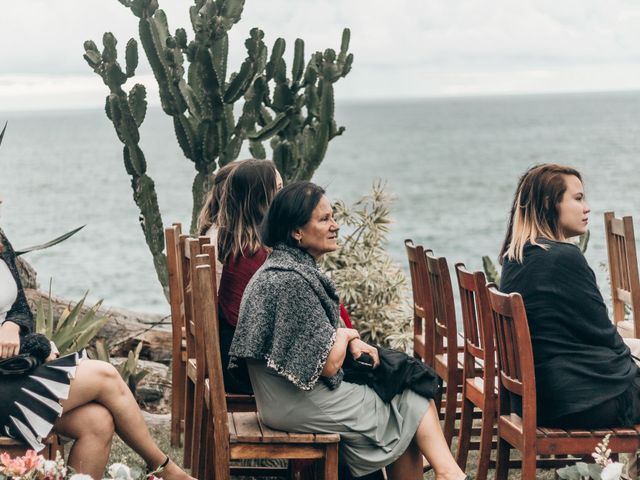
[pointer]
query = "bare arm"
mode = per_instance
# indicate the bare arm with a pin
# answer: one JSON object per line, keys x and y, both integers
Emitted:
{"x": 338, "y": 351}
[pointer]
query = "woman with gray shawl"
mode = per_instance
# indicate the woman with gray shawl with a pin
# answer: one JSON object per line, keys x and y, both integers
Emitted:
{"x": 289, "y": 338}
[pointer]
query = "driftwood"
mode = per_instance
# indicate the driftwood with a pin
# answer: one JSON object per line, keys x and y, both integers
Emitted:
{"x": 124, "y": 330}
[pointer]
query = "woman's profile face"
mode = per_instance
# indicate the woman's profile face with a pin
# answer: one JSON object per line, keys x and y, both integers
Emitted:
{"x": 278, "y": 181}
{"x": 573, "y": 210}
{"x": 320, "y": 234}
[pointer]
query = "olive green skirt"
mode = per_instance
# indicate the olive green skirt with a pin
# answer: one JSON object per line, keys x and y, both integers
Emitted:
{"x": 373, "y": 434}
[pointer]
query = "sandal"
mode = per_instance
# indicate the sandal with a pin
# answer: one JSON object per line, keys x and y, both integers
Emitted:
{"x": 159, "y": 469}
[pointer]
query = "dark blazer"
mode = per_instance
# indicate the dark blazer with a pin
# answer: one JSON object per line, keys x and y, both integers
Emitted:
{"x": 20, "y": 312}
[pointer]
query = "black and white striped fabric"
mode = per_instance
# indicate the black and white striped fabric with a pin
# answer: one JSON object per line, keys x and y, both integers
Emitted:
{"x": 30, "y": 404}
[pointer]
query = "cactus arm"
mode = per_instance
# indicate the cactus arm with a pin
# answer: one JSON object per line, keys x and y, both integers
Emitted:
{"x": 127, "y": 112}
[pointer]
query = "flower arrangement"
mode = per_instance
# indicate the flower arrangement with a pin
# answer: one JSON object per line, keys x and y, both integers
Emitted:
{"x": 32, "y": 466}
{"x": 603, "y": 469}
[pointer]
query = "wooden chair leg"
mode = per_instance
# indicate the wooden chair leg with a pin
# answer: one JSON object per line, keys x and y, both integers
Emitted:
{"x": 486, "y": 437}
{"x": 529, "y": 465}
{"x": 502, "y": 460}
{"x": 198, "y": 406}
{"x": 199, "y": 472}
{"x": 188, "y": 422}
{"x": 178, "y": 370}
{"x": 464, "y": 436}
{"x": 330, "y": 468}
{"x": 450, "y": 411}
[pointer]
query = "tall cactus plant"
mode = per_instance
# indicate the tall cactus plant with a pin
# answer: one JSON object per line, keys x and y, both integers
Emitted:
{"x": 199, "y": 94}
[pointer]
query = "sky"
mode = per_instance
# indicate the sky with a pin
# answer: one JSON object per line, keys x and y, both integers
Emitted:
{"x": 403, "y": 49}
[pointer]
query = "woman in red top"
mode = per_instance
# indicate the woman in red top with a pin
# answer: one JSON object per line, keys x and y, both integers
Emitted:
{"x": 246, "y": 195}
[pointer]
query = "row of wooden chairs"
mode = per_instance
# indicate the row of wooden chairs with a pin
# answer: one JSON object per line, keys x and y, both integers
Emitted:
{"x": 493, "y": 361}
{"x": 218, "y": 427}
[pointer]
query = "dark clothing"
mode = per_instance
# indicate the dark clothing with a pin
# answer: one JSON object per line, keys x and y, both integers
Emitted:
{"x": 30, "y": 401}
{"x": 20, "y": 313}
{"x": 580, "y": 359}
{"x": 235, "y": 277}
{"x": 397, "y": 372}
{"x": 238, "y": 382}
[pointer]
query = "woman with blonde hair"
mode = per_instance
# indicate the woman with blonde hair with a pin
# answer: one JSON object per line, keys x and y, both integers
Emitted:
{"x": 585, "y": 374}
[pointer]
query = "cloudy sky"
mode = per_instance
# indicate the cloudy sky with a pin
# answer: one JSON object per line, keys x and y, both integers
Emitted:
{"x": 403, "y": 48}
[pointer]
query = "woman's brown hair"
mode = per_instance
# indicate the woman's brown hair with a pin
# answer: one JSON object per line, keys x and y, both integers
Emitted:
{"x": 534, "y": 213}
{"x": 245, "y": 199}
{"x": 211, "y": 207}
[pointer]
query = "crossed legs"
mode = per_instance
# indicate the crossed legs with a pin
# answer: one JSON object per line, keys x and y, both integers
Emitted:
{"x": 98, "y": 394}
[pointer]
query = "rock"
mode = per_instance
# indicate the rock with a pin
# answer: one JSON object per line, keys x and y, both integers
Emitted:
{"x": 149, "y": 393}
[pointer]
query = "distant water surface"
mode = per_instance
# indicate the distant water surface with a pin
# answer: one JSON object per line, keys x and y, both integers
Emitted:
{"x": 451, "y": 163}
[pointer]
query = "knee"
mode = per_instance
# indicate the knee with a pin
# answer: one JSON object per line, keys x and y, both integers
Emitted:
{"x": 101, "y": 421}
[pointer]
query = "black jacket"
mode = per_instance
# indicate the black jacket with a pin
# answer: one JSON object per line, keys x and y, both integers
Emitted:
{"x": 580, "y": 359}
{"x": 20, "y": 313}
{"x": 397, "y": 372}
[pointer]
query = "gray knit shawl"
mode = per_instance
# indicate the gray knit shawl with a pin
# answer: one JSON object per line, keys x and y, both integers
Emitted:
{"x": 288, "y": 317}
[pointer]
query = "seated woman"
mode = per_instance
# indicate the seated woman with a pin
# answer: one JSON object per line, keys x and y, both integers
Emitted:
{"x": 585, "y": 375}
{"x": 83, "y": 399}
{"x": 288, "y": 336}
{"x": 245, "y": 198}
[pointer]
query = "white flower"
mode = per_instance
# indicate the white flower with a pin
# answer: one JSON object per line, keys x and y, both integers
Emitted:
{"x": 119, "y": 471}
{"x": 613, "y": 471}
{"x": 80, "y": 476}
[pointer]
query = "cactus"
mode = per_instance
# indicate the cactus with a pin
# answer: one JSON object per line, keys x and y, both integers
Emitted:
{"x": 296, "y": 114}
{"x": 127, "y": 112}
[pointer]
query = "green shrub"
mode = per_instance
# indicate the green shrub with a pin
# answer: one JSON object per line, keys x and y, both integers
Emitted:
{"x": 372, "y": 287}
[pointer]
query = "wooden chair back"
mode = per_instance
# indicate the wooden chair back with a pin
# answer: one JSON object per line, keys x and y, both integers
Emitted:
{"x": 206, "y": 318}
{"x": 516, "y": 374}
{"x": 479, "y": 346}
{"x": 623, "y": 267}
{"x": 444, "y": 313}
{"x": 178, "y": 355}
{"x": 422, "y": 303}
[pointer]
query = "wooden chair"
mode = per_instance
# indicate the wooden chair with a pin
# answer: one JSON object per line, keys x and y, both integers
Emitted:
{"x": 517, "y": 378}
{"x": 15, "y": 448}
{"x": 479, "y": 387}
{"x": 446, "y": 351}
{"x": 623, "y": 271}
{"x": 242, "y": 435}
{"x": 180, "y": 249}
{"x": 422, "y": 306}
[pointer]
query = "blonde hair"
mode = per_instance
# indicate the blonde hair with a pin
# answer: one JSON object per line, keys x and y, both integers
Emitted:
{"x": 245, "y": 199}
{"x": 534, "y": 213}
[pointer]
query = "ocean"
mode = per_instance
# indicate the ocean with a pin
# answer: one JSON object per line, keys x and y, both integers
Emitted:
{"x": 451, "y": 163}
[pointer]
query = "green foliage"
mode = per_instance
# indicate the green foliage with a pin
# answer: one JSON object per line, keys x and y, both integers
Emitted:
{"x": 129, "y": 370}
{"x": 50, "y": 243}
{"x": 603, "y": 468}
{"x": 372, "y": 287}
{"x": 296, "y": 113}
{"x": 493, "y": 275}
{"x": 73, "y": 329}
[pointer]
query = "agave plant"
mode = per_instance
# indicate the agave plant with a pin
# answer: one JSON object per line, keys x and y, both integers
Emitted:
{"x": 129, "y": 370}
{"x": 73, "y": 329}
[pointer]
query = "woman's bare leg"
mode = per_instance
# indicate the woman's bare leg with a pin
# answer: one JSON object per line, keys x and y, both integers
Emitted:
{"x": 433, "y": 446}
{"x": 100, "y": 382}
{"x": 408, "y": 466}
{"x": 91, "y": 426}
